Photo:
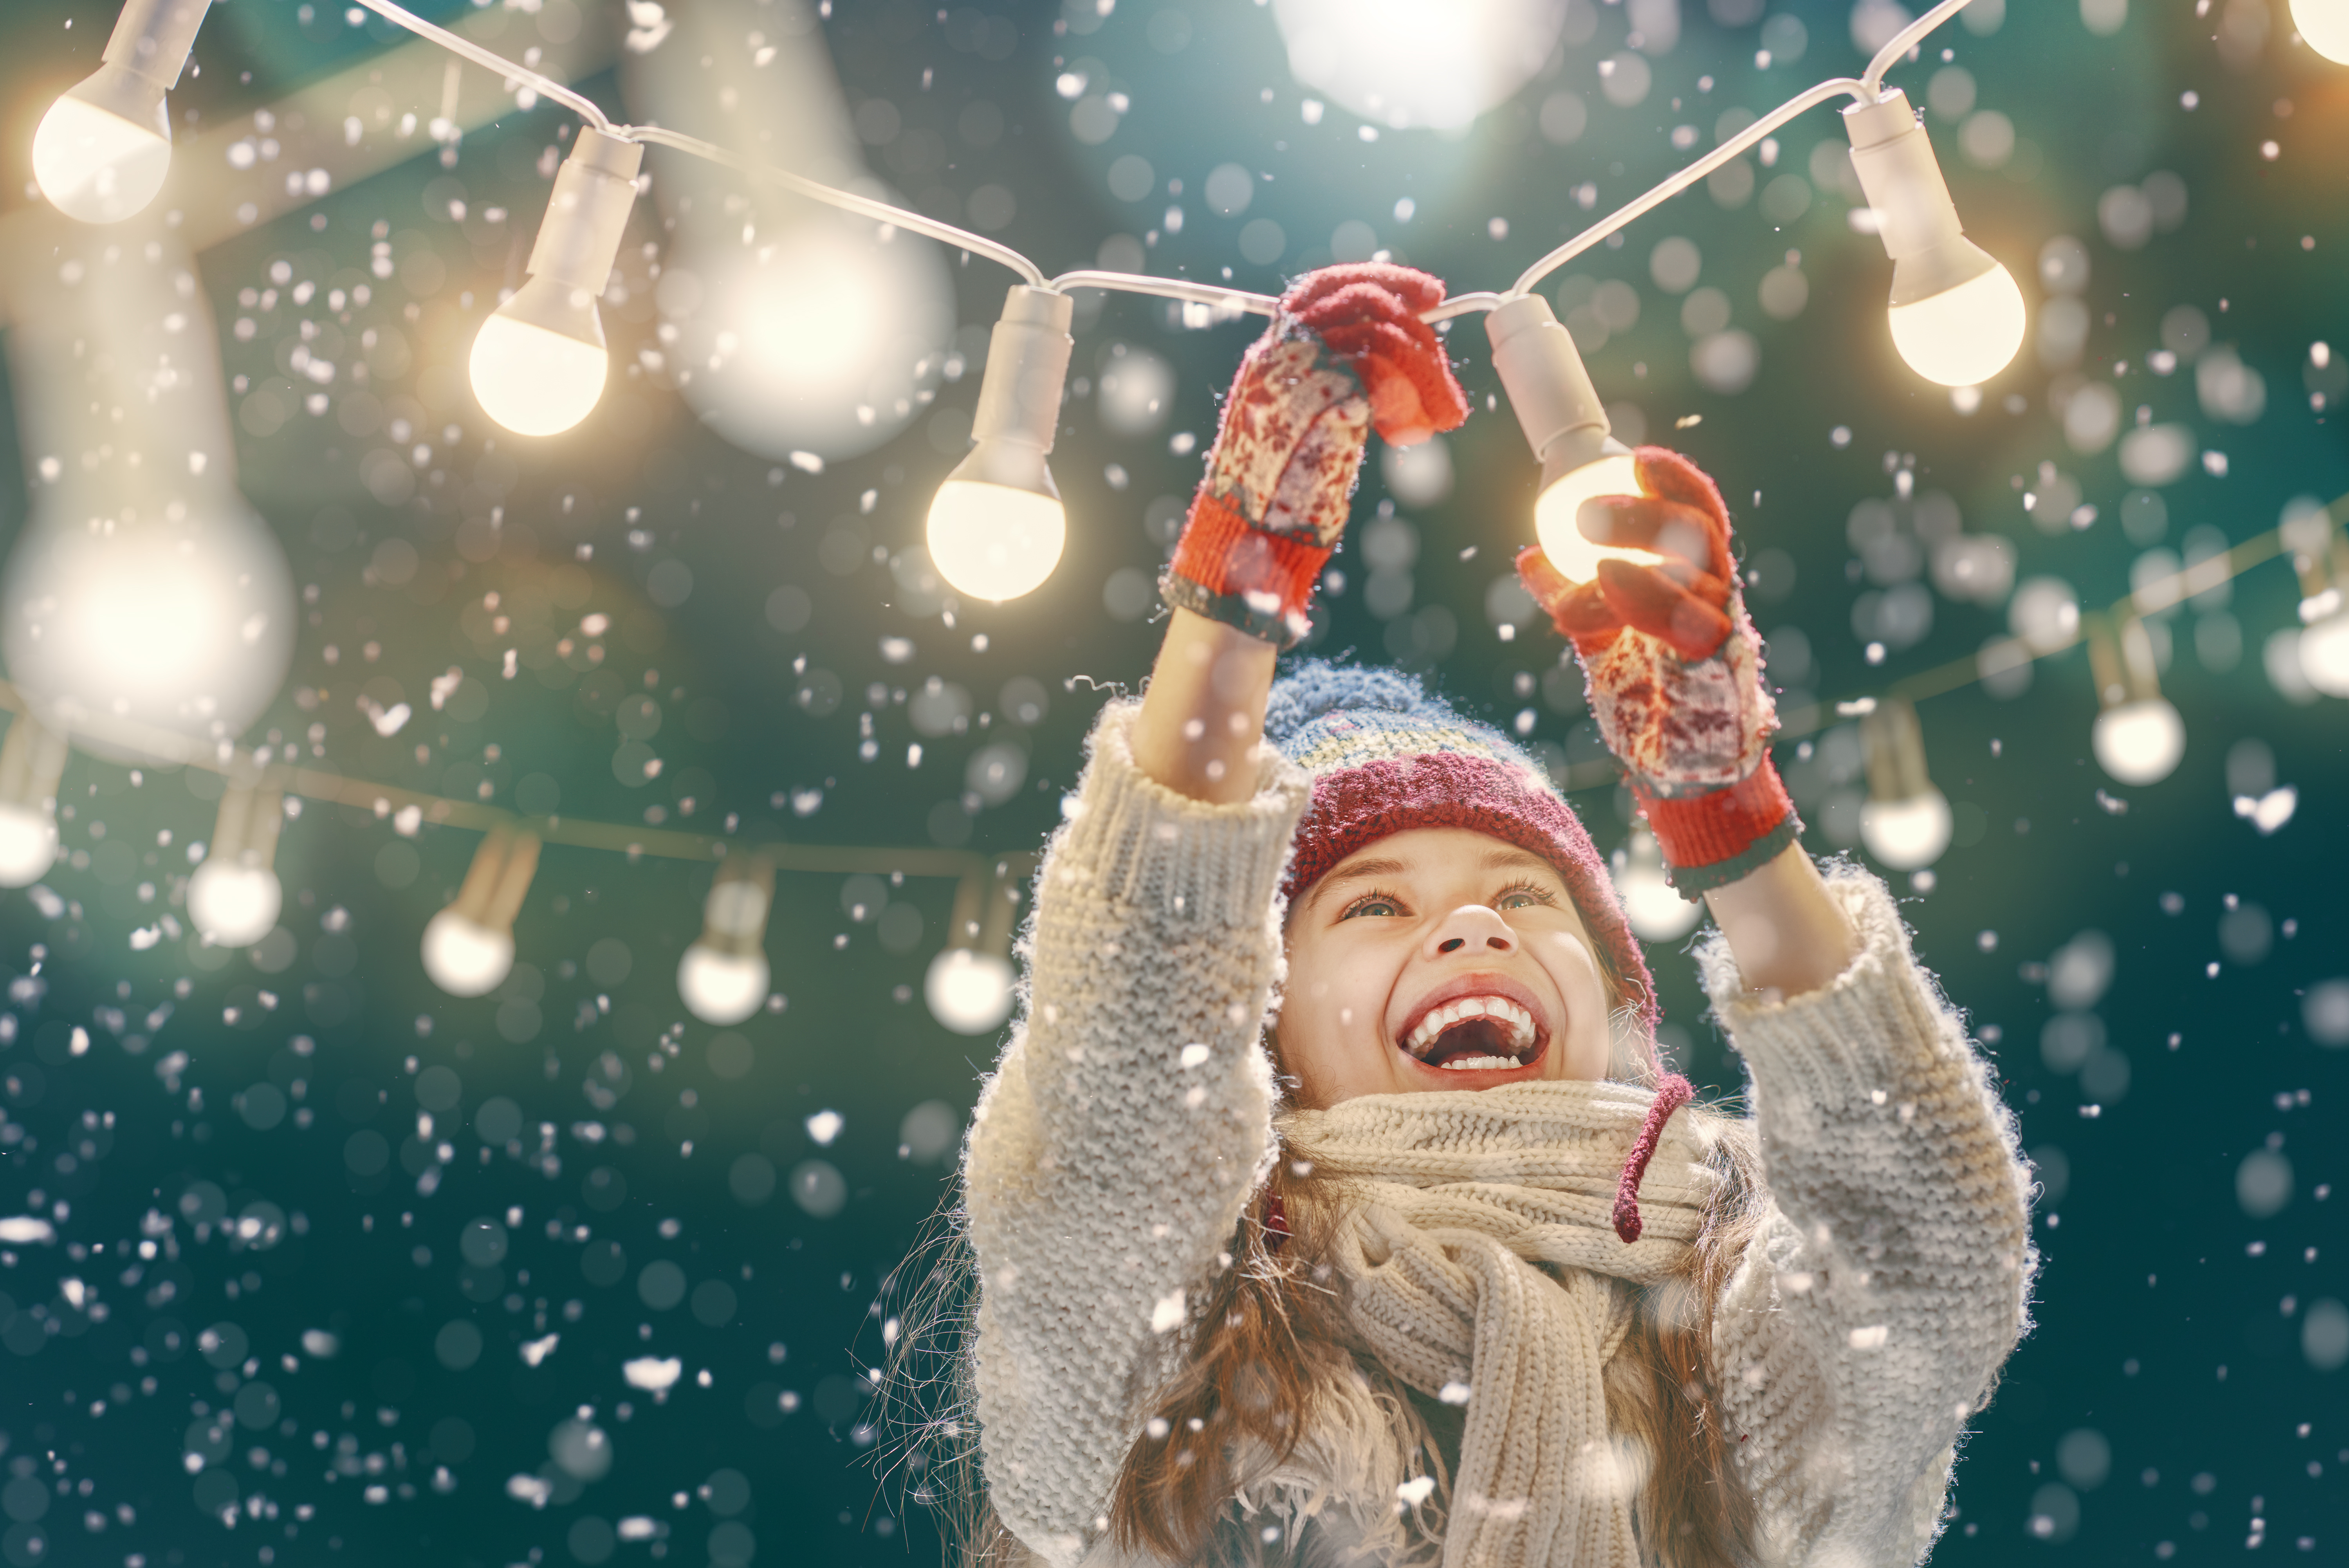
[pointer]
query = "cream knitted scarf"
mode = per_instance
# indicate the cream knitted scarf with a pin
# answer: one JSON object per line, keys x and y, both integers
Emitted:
{"x": 1456, "y": 1204}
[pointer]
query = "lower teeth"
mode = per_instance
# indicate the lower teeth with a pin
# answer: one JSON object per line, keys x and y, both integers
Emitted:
{"x": 1477, "y": 1064}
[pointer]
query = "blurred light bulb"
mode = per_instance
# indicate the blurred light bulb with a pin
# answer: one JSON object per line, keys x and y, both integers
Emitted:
{"x": 233, "y": 906}
{"x": 234, "y": 897}
{"x": 723, "y": 977}
{"x": 101, "y": 152}
{"x": 1563, "y": 421}
{"x": 2324, "y": 26}
{"x": 969, "y": 993}
{"x": 1654, "y": 907}
{"x": 32, "y": 761}
{"x": 469, "y": 946}
{"x": 539, "y": 363}
{"x": 1906, "y": 834}
{"x": 2324, "y": 653}
{"x": 2139, "y": 742}
{"x": 996, "y": 527}
{"x": 1957, "y": 316}
{"x": 721, "y": 988}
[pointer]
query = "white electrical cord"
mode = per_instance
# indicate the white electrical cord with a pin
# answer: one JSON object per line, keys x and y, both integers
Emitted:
{"x": 1865, "y": 88}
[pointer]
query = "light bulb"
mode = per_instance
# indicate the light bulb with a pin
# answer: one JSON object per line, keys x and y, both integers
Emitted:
{"x": 104, "y": 148}
{"x": 969, "y": 993}
{"x": 28, "y": 843}
{"x": 1556, "y": 511}
{"x": 538, "y": 363}
{"x": 1963, "y": 334}
{"x": 2324, "y": 654}
{"x": 2324, "y": 26}
{"x": 465, "y": 958}
{"x": 994, "y": 542}
{"x": 2139, "y": 742}
{"x": 1957, "y": 316}
{"x": 996, "y": 527}
{"x": 721, "y": 988}
{"x": 1654, "y": 907}
{"x": 233, "y": 906}
{"x": 1906, "y": 834}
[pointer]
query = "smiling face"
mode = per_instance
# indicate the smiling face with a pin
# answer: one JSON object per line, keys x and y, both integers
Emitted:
{"x": 1440, "y": 958}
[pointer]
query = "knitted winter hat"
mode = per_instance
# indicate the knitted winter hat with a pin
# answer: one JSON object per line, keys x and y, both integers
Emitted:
{"x": 1386, "y": 756}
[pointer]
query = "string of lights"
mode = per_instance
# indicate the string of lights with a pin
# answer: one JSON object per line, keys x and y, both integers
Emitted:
{"x": 996, "y": 528}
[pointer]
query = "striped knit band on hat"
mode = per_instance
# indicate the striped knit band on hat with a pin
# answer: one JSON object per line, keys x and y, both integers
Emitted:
{"x": 1387, "y": 756}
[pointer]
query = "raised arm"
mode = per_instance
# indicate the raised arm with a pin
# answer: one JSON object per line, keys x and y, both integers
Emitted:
{"x": 1130, "y": 1117}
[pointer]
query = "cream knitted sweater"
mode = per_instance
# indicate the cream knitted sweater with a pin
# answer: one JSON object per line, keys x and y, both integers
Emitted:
{"x": 1111, "y": 1160}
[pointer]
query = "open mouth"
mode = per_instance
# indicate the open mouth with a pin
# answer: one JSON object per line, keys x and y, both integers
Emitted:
{"x": 1481, "y": 1032}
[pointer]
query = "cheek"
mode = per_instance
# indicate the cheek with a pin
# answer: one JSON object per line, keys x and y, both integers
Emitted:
{"x": 1569, "y": 960}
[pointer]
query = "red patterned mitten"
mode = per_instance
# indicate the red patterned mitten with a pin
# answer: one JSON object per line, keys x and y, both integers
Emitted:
{"x": 1347, "y": 350}
{"x": 1674, "y": 673}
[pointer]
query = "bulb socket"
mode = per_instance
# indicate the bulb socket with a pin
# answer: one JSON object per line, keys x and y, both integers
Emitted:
{"x": 246, "y": 831}
{"x": 588, "y": 214}
{"x": 1026, "y": 370}
{"x": 32, "y": 762}
{"x": 1547, "y": 384}
{"x": 734, "y": 916}
{"x": 1902, "y": 179}
{"x": 1895, "y": 747}
{"x": 152, "y": 38}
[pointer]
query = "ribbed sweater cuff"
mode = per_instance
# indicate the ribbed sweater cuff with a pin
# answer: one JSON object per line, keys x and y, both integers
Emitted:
{"x": 1181, "y": 858}
{"x": 1830, "y": 1043}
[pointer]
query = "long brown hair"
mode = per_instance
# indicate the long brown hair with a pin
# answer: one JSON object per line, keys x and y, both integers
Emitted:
{"x": 1273, "y": 1339}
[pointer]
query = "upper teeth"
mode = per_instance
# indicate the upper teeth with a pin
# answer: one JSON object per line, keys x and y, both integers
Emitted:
{"x": 1500, "y": 1010}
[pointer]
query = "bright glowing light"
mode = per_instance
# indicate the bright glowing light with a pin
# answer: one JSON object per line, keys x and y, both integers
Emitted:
{"x": 721, "y": 988}
{"x": 1654, "y": 907}
{"x": 465, "y": 958}
{"x": 2139, "y": 742}
{"x": 233, "y": 906}
{"x": 103, "y": 149}
{"x": 1906, "y": 834}
{"x": 993, "y": 542}
{"x": 153, "y": 629}
{"x": 1414, "y": 63}
{"x": 1575, "y": 557}
{"x": 969, "y": 993}
{"x": 2323, "y": 26}
{"x": 1963, "y": 335}
{"x": 539, "y": 364}
{"x": 28, "y": 844}
{"x": 2324, "y": 654}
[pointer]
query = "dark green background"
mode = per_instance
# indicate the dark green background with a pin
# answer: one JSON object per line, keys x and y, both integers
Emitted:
{"x": 2162, "y": 1322}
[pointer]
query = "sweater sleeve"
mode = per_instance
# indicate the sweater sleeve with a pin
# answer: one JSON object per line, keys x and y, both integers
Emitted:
{"x": 1869, "y": 1316}
{"x": 1124, "y": 1126}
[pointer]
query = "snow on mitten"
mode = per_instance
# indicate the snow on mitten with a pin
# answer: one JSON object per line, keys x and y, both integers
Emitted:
{"x": 1673, "y": 670}
{"x": 1346, "y": 350}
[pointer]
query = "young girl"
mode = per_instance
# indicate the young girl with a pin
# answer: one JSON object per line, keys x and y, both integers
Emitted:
{"x": 1330, "y": 1204}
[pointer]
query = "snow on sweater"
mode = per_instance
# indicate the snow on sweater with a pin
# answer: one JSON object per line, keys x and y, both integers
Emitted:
{"x": 1111, "y": 1159}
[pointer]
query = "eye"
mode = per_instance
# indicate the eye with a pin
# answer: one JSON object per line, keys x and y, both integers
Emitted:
{"x": 1524, "y": 896}
{"x": 1379, "y": 903}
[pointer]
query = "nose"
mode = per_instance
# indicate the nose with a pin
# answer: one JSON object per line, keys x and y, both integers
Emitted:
{"x": 1472, "y": 927}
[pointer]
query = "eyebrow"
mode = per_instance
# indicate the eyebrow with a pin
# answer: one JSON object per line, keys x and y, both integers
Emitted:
{"x": 1363, "y": 870}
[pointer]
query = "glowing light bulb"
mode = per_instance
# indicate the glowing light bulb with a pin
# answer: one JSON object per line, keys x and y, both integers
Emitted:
{"x": 1963, "y": 334}
{"x": 104, "y": 148}
{"x": 996, "y": 527}
{"x": 2324, "y": 654}
{"x": 465, "y": 958}
{"x": 994, "y": 542}
{"x": 233, "y": 906}
{"x": 2324, "y": 26}
{"x": 469, "y": 946}
{"x": 1558, "y": 506}
{"x": 538, "y": 363}
{"x": 721, "y": 988}
{"x": 1957, "y": 316}
{"x": 1906, "y": 834}
{"x": 1654, "y": 907}
{"x": 2140, "y": 742}
{"x": 969, "y": 993}
{"x": 28, "y": 844}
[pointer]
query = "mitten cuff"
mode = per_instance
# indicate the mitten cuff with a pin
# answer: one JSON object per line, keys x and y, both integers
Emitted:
{"x": 1230, "y": 571}
{"x": 1713, "y": 839}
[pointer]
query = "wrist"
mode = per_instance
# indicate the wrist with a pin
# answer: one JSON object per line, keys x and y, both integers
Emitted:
{"x": 1230, "y": 571}
{"x": 1720, "y": 837}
